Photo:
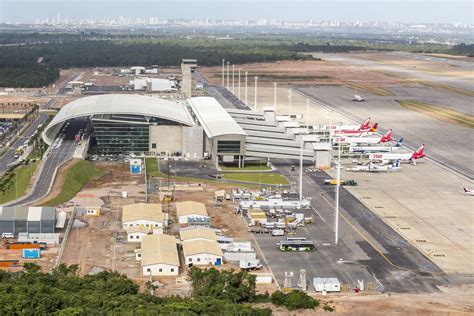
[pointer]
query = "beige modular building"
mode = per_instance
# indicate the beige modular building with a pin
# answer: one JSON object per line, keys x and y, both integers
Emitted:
{"x": 198, "y": 233}
{"x": 159, "y": 255}
{"x": 202, "y": 252}
{"x": 147, "y": 216}
{"x": 192, "y": 213}
{"x": 136, "y": 233}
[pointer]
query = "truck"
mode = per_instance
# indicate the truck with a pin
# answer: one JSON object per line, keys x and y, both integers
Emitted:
{"x": 250, "y": 264}
{"x": 9, "y": 263}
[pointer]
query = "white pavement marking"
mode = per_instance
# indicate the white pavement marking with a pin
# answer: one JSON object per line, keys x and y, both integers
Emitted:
{"x": 318, "y": 214}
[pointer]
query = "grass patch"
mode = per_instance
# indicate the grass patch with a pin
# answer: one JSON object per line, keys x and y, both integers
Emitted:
{"x": 76, "y": 177}
{"x": 372, "y": 89}
{"x": 17, "y": 183}
{"x": 151, "y": 167}
{"x": 248, "y": 166}
{"x": 443, "y": 87}
{"x": 440, "y": 113}
{"x": 265, "y": 178}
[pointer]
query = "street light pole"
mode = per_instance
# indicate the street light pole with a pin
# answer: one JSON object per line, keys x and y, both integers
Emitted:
{"x": 289, "y": 101}
{"x": 275, "y": 94}
{"x": 301, "y": 169}
{"x": 238, "y": 91}
{"x": 338, "y": 180}
{"x": 228, "y": 70}
{"x": 233, "y": 79}
{"x": 223, "y": 72}
{"x": 246, "y": 86}
{"x": 307, "y": 113}
{"x": 255, "y": 102}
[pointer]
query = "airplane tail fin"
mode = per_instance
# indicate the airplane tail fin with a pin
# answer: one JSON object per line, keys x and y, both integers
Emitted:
{"x": 399, "y": 143}
{"x": 374, "y": 128}
{"x": 365, "y": 125}
{"x": 419, "y": 153}
{"x": 387, "y": 137}
{"x": 465, "y": 190}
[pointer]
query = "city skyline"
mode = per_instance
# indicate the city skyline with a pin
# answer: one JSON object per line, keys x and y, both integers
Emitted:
{"x": 458, "y": 12}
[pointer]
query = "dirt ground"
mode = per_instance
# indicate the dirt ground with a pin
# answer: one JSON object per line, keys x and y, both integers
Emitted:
{"x": 309, "y": 72}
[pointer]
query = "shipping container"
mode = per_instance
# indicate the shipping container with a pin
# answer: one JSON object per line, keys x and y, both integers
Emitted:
{"x": 31, "y": 253}
{"x": 9, "y": 263}
{"x": 27, "y": 245}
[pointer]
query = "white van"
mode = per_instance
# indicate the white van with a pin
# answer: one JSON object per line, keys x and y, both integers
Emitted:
{"x": 7, "y": 235}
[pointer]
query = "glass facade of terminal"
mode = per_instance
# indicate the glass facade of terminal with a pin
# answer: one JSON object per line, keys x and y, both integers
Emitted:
{"x": 123, "y": 133}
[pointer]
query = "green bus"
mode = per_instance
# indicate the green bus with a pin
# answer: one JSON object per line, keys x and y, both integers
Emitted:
{"x": 297, "y": 245}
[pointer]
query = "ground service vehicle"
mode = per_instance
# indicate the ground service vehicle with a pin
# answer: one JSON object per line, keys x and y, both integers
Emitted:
{"x": 278, "y": 232}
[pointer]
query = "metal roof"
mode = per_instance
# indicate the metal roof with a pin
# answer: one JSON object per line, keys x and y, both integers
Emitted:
{"x": 34, "y": 214}
{"x": 214, "y": 118}
{"x": 21, "y": 213}
{"x": 6, "y": 213}
{"x": 119, "y": 104}
{"x": 158, "y": 249}
{"x": 48, "y": 214}
{"x": 201, "y": 233}
{"x": 196, "y": 247}
{"x": 191, "y": 208}
{"x": 142, "y": 211}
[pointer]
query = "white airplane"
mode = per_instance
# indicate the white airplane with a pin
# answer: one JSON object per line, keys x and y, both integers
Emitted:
{"x": 365, "y": 125}
{"x": 358, "y": 132}
{"x": 411, "y": 157}
{"x": 358, "y": 98}
{"x": 370, "y": 167}
{"x": 468, "y": 191}
{"x": 375, "y": 149}
{"x": 364, "y": 140}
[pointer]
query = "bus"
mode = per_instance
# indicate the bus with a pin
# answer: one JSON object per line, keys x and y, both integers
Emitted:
{"x": 297, "y": 245}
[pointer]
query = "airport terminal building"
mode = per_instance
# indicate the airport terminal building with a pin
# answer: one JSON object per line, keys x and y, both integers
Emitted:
{"x": 194, "y": 128}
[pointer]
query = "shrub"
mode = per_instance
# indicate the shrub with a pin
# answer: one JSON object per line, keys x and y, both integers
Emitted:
{"x": 294, "y": 300}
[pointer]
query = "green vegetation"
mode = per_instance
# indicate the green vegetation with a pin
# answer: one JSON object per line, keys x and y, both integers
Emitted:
{"x": 151, "y": 167}
{"x": 76, "y": 177}
{"x": 64, "y": 292}
{"x": 247, "y": 166}
{"x": 440, "y": 113}
{"x": 294, "y": 300}
{"x": 264, "y": 177}
{"x": 15, "y": 181}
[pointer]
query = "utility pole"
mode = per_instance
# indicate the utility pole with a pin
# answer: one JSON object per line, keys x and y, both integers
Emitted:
{"x": 233, "y": 79}
{"x": 255, "y": 102}
{"x": 238, "y": 91}
{"x": 275, "y": 94}
{"x": 246, "y": 86}
{"x": 223, "y": 72}
{"x": 228, "y": 70}
{"x": 289, "y": 101}
{"x": 301, "y": 169}
{"x": 338, "y": 180}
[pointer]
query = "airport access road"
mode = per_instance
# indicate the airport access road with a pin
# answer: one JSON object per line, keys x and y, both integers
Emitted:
{"x": 56, "y": 157}
{"x": 368, "y": 249}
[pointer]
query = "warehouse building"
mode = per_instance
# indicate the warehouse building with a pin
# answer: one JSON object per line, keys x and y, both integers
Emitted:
{"x": 202, "y": 252}
{"x": 149, "y": 217}
{"x": 27, "y": 219}
{"x": 192, "y": 213}
{"x": 159, "y": 255}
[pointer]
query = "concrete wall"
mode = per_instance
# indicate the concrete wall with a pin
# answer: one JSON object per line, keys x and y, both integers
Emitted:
{"x": 202, "y": 259}
{"x": 167, "y": 138}
{"x": 166, "y": 269}
{"x": 192, "y": 142}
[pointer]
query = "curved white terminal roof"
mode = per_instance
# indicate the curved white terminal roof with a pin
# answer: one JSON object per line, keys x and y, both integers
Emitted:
{"x": 214, "y": 118}
{"x": 119, "y": 104}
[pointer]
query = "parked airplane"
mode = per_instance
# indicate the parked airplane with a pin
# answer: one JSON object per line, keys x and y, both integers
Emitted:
{"x": 358, "y": 132}
{"x": 375, "y": 149}
{"x": 358, "y": 98}
{"x": 468, "y": 191}
{"x": 363, "y": 126}
{"x": 364, "y": 140}
{"x": 370, "y": 167}
{"x": 417, "y": 154}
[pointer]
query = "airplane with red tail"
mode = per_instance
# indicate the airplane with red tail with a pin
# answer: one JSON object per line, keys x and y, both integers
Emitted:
{"x": 411, "y": 157}
{"x": 364, "y": 140}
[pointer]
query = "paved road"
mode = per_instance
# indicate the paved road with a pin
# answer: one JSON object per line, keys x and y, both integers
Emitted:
{"x": 354, "y": 257}
{"x": 55, "y": 158}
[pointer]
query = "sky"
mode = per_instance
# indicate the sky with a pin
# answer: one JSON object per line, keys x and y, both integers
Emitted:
{"x": 412, "y": 11}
